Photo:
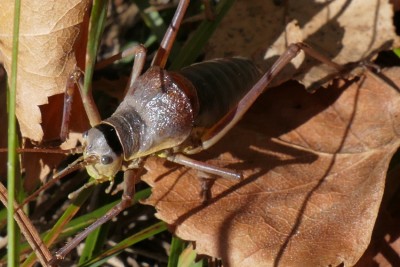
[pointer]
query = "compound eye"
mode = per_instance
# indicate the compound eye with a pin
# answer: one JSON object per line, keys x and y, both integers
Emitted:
{"x": 106, "y": 160}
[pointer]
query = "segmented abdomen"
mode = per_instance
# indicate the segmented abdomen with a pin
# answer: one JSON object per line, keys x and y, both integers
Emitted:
{"x": 220, "y": 84}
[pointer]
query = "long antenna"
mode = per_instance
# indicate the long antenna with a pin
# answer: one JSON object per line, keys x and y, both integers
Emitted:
{"x": 71, "y": 151}
{"x": 77, "y": 164}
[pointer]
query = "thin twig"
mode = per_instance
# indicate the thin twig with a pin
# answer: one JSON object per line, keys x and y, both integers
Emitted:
{"x": 28, "y": 230}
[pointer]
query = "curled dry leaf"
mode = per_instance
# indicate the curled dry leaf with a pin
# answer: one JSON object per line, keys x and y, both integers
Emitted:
{"x": 49, "y": 31}
{"x": 314, "y": 172}
{"x": 49, "y": 50}
{"x": 346, "y": 31}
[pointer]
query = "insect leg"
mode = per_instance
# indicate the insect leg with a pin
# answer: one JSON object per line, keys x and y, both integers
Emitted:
{"x": 127, "y": 198}
{"x": 90, "y": 107}
{"x": 230, "y": 119}
{"x": 87, "y": 100}
{"x": 204, "y": 167}
{"x": 163, "y": 52}
{"x": 68, "y": 97}
{"x": 139, "y": 51}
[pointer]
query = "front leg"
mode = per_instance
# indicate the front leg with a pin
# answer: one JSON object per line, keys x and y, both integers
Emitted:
{"x": 203, "y": 166}
{"x": 139, "y": 51}
{"x": 87, "y": 99}
{"x": 130, "y": 177}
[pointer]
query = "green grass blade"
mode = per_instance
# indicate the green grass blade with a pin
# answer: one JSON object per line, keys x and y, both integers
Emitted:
{"x": 188, "y": 258}
{"x": 144, "y": 234}
{"x": 96, "y": 239}
{"x": 397, "y": 51}
{"x": 62, "y": 223}
{"x": 96, "y": 26}
{"x": 78, "y": 224}
{"x": 192, "y": 49}
{"x": 65, "y": 228}
{"x": 152, "y": 19}
{"x": 94, "y": 242}
{"x": 177, "y": 246}
{"x": 155, "y": 23}
{"x": 13, "y": 248}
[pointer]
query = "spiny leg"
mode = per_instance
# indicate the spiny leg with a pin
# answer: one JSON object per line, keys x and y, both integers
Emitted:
{"x": 87, "y": 99}
{"x": 163, "y": 52}
{"x": 68, "y": 98}
{"x": 139, "y": 51}
{"x": 127, "y": 198}
{"x": 230, "y": 119}
{"x": 204, "y": 167}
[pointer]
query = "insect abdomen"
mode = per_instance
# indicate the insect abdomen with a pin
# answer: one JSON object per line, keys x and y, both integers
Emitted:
{"x": 220, "y": 84}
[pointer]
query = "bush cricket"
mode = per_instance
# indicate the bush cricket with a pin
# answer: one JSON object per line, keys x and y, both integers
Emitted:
{"x": 170, "y": 115}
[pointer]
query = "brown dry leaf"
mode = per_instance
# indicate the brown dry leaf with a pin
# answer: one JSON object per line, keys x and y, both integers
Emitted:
{"x": 345, "y": 31}
{"x": 49, "y": 31}
{"x": 49, "y": 49}
{"x": 314, "y": 168}
{"x": 385, "y": 244}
